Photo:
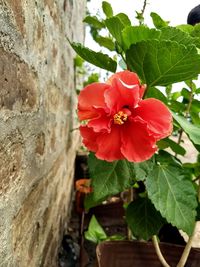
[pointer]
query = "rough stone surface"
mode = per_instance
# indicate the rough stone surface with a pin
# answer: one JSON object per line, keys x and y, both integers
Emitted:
{"x": 37, "y": 114}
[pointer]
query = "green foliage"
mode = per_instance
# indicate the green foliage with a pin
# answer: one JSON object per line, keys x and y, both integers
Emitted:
{"x": 143, "y": 219}
{"x": 96, "y": 233}
{"x": 156, "y": 93}
{"x": 173, "y": 194}
{"x": 107, "y": 9}
{"x": 158, "y": 21}
{"x": 161, "y": 57}
{"x": 93, "y": 78}
{"x": 96, "y": 58}
{"x": 135, "y": 34}
{"x": 94, "y": 21}
{"x": 163, "y": 62}
{"x": 105, "y": 42}
{"x": 142, "y": 169}
{"x": 124, "y": 19}
{"x": 193, "y": 131}
{"x": 115, "y": 27}
{"x": 176, "y": 148}
{"x": 108, "y": 178}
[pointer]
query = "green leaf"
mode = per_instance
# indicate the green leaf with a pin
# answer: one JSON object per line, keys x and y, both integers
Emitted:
{"x": 173, "y": 194}
{"x": 95, "y": 232}
{"x": 115, "y": 238}
{"x": 93, "y": 20}
{"x": 176, "y": 148}
{"x": 115, "y": 27}
{"x": 143, "y": 219}
{"x": 142, "y": 169}
{"x": 156, "y": 93}
{"x": 185, "y": 28}
{"x": 108, "y": 178}
{"x": 163, "y": 62}
{"x": 134, "y": 34}
{"x": 185, "y": 93}
{"x": 106, "y": 42}
{"x": 196, "y": 30}
{"x": 107, "y": 9}
{"x": 96, "y": 58}
{"x": 176, "y": 106}
{"x": 174, "y": 34}
{"x": 193, "y": 131}
{"x": 158, "y": 21}
{"x": 124, "y": 19}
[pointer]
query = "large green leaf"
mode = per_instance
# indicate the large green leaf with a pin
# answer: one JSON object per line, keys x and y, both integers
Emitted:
{"x": 96, "y": 58}
{"x": 173, "y": 194}
{"x": 174, "y": 34}
{"x": 115, "y": 27}
{"x": 142, "y": 169}
{"x": 143, "y": 219}
{"x": 108, "y": 178}
{"x": 163, "y": 62}
{"x": 193, "y": 131}
{"x": 134, "y": 34}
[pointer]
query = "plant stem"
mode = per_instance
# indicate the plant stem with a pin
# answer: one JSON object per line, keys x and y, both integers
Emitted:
{"x": 141, "y": 20}
{"x": 158, "y": 251}
{"x": 187, "y": 112}
{"x": 143, "y": 8}
{"x": 188, "y": 246}
{"x": 186, "y": 251}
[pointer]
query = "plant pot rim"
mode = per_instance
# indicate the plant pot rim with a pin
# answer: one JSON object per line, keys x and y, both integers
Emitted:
{"x": 140, "y": 253}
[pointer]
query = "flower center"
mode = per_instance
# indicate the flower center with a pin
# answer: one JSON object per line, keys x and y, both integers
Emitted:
{"x": 120, "y": 117}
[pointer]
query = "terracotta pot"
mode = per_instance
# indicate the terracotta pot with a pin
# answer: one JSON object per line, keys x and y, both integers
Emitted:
{"x": 141, "y": 254}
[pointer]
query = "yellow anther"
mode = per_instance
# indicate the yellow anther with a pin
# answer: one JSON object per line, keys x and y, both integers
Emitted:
{"x": 120, "y": 118}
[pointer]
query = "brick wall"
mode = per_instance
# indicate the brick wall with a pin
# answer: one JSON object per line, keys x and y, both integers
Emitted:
{"x": 37, "y": 113}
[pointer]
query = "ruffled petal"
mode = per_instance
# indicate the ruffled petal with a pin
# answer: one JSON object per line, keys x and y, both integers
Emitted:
{"x": 120, "y": 96}
{"x": 109, "y": 145}
{"x": 128, "y": 77}
{"x": 156, "y": 115}
{"x": 89, "y": 138}
{"x": 101, "y": 124}
{"x": 91, "y": 97}
{"x": 137, "y": 144}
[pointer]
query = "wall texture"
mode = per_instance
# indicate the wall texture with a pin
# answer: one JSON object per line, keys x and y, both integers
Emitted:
{"x": 37, "y": 113}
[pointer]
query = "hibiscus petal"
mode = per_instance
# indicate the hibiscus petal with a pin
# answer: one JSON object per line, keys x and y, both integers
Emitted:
{"x": 129, "y": 78}
{"x": 119, "y": 96}
{"x": 126, "y": 76}
{"x": 137, "y": 144}
{"x": 100, "y": 124}
{"x": 90, "y": 97}
{"x": 156, "y": 115}
{"x": 109, "y": 145}
{"x": 89, "y": 138}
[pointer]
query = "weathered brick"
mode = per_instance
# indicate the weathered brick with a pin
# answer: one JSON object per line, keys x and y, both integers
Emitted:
{"x": 17, "y": 82}
{"x": 11, "y": 154}
{"x": 37, "y": 112}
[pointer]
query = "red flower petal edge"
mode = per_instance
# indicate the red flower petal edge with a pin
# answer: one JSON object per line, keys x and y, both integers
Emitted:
{"x": 120, "y": 124}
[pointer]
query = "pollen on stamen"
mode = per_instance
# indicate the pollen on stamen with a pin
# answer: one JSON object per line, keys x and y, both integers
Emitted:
{"x": 120, "y": 118}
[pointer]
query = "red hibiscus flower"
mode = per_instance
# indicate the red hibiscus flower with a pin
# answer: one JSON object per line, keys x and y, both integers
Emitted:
{"x": 120, "y": 124}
